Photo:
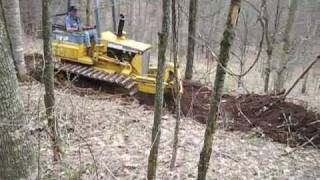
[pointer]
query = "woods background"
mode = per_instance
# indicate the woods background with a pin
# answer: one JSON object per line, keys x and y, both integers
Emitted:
{"x": 143, "y": 21}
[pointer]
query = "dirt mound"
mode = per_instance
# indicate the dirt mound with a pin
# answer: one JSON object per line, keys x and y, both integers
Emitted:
{"x": 284, "y": 122}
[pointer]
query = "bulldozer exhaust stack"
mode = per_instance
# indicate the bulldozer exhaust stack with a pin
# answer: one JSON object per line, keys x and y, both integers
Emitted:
{"x": 121, "y": 25}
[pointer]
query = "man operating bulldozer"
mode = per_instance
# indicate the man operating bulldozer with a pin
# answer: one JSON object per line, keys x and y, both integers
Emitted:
{"x": 73, "y": 24}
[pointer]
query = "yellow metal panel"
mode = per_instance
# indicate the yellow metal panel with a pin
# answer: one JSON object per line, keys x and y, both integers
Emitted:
{"x": 109, "y": 71}
{"x": 111, "y": 37}
{"x": 72, "y": 52}
{"x": 137, "y": 64}
{"x": 148, "y": 84}
{"x": 147, "y": 88}
{"x": 85, "y": 60}
{"x": 110, "y": 64}
{"x": 68, "y": 50}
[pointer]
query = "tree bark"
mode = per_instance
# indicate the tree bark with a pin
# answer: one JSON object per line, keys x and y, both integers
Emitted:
{"x": 88, "y": 12}
{"x": 177, "y": 83}
{"x": 48, "y": 78}
{"x": 131, "y": 18}
{"x": 191, "y": 38}
{"x": 16, "y": 155}
{"x": 304, "y": 84}
{"x": 243, "y": 47}
{"x": 156, "y": 130}
{"x": 68, "y": 4}
{"x": 225, "y": 46}
{"x": 270, "y": 39}
{"x": 281, "y": 70}
{"x": 301, "y": 76}
{"x": 114, "y": 14}
{"x": 11, "y": 10}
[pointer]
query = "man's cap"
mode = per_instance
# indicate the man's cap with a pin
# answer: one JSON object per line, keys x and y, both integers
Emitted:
{"x": 72, "y": 8}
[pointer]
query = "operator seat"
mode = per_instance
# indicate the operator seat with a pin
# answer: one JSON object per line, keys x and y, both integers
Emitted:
{"x": 61, "y": 34}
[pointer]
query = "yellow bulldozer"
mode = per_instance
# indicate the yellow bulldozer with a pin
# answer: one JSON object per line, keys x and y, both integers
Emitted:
{"x": 115, "y": 59}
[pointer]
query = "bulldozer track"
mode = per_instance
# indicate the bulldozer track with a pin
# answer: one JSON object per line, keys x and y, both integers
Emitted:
{"x": 121, "y": 80}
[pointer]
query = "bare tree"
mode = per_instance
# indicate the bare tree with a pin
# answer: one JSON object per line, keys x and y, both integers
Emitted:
{"x": 285, "y": 45}
{"x": 11, "y": 10}
{"x": 156, "y": 130}
{"x": 225, "y": 46}
{"x": 244, "y": 45}
{"x": 175, "y": 42}
{"x": 191, "y": 38}
{"x": 49, "y": 99}
{"x": 301, "y": 76}
{"x": 16, "y": 156}
{"x": 270, "y": 39}
{"x": 88, "y": 12}
{"x": 114, "y": 16}
{"x": 307, "y": 47}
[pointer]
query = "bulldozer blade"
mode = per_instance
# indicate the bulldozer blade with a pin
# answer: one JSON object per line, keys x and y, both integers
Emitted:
{"x": 121, "y": 80}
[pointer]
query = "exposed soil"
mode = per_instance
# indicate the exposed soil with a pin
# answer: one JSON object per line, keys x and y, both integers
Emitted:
{"x": 284, "y": 122}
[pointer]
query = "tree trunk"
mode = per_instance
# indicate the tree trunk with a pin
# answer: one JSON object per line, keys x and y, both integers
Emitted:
{"x": 16, "y": 157}
{"x": 88, "y": 12}
{"x": 270, "y": 39}
{"x": 304, "y": 84}
{"x": 156, "y": 130}
{"x": 265, "y": 27}
{"x": 11, "y": 9}
{"x": 306, "y": 71}
{"x": 68, "y": 4}
{"x": 191, "y": 38}
{"x": 177, "y": 83}
{"x": 243, "y": 47}
{"x": 114, "y": 14}
{"x": 130, "y": 18}
{"x": 49, "y": 99}
{"x": 225, "y": 46}
{"x": 281, "y": 70}
{"x": 267, "y": 71}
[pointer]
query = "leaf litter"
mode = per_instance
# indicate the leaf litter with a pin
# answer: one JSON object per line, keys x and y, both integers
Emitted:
{"x": 110, "y": 138}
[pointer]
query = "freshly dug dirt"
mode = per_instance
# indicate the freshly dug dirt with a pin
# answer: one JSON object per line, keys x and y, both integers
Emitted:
{"x": 284, "y": 122}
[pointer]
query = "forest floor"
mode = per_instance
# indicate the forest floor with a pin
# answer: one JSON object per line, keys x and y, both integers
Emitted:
{"x": 109, "y": 137}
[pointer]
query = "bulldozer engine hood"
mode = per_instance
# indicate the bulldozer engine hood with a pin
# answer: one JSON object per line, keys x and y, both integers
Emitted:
{"x": 124, "y": 44}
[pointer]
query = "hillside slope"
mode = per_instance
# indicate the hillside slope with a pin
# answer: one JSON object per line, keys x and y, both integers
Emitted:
{"x": 106, "y": 136}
